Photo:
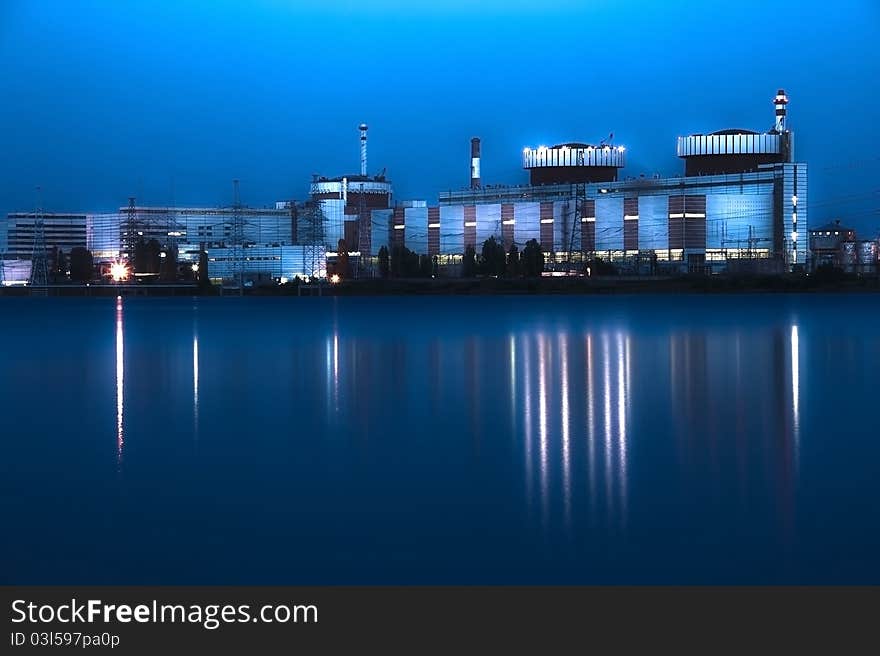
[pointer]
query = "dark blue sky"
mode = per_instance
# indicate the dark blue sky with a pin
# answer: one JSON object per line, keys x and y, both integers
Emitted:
{"x": 168, "y": 99}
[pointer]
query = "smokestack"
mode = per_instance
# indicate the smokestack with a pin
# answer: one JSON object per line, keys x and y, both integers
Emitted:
{"x": 475, "y": 163}
{"x": 363, "y": 129}
{"x": 780, "y": 101}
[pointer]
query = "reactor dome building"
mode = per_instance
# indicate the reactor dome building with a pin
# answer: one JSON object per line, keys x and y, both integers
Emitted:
{"x": 346, "y": 204}
{"x": 573, "y": 163}
{"x": 738, "y": 151}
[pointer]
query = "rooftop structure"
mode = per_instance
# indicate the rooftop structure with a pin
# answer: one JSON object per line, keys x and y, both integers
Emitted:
{"x": 738, "y": 150}
{"x": 573, "y": 162}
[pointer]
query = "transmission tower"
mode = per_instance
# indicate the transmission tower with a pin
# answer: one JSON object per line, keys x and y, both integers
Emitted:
{"x": 237, "y": 238}
{"x": 313, "y": 238}
{"x": 39, "y": 262}
{"x": 363, "y": 219}
{"x": 129, "y": 231}
{"x": 579, "y": 198}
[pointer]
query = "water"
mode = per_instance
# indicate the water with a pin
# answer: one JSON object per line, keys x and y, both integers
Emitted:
{"x": 668, "y": 439}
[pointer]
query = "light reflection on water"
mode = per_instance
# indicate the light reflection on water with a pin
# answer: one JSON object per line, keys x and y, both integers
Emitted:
{"x": 621, "y": 443}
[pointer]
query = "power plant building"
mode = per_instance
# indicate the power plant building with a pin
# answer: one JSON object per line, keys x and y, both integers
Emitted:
{"x": 346, "y": 207}
{"x": 741, "y": 197}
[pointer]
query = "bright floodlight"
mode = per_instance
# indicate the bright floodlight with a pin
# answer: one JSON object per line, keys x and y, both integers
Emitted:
{"x": 195, "y": 268}
{"x": 118, "y": 271}
{"x": 335, "y": 278}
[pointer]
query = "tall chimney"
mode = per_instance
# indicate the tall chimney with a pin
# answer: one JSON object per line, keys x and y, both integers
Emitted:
{"x": 780, "y": 101}
{"x": 363, "y": 129}
{"x": 475, "y": 163}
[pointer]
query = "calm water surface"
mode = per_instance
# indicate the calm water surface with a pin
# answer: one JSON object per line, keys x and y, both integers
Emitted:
{"x": 668, "y": 439}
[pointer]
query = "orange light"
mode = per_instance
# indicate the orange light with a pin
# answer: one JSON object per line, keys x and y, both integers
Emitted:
{"x": 118, "y": 271}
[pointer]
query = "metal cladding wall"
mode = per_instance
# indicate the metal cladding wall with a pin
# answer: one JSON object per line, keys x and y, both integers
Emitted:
{"x": 588, "y": 225}
{"x": 470, "y": 226}
{"x": 729, "y": 144}
{"x": 563, "y": 219}
{"x": 687, "y": 222}
{"x": 739, "y": 221}
{"x": 451, "y": 230}
{"x": 102, "y": 235}
{"x": 341, "y": 200}
{"x": 416, "y": 219}
{"x": 631, "y": 224}
{"x": 573, "y": 163}
{"x": 508, "y": 223}
{"x": 190, "y": 225}
{"x": 527, "y": 226}
{"x": 275, "y": 261}
{"x": 609, "y": 231}
{"x": 546, "y": 227}
{"x": 653, "y": 223}
{"x": 724, "y": 216}
{"x": 488, "y": 223}
{"x": 334, "y": 221}
{"x": 586, "y": 156}
{"x": 433, "y": 231}
{"x": 731, "y": 151}
{"x": 380, "y": 229}
{"x": 398, "y": 227}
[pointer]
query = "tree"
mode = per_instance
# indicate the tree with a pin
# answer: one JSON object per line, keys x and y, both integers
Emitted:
{"x": 513, "y": 261}
{"x": 168, "y": 265}
{"x": 493, "y": 257}
{"x": 469, "y": 262}
{"x": 59, "y": 269}
{"x": 384, "y": 264}
{"x": 397, "y": 261}
{"x": 146, "y": 256}
{"x": 81, "y": 266}
{"x": 404, "y": 262}
{"x": 204, "y": 280}
{"x": 426, "y": 267}
{"x": 532, "y": 259}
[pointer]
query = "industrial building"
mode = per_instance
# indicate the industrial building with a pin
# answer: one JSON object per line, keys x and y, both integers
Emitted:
{"x": 739, "y": 205}
{"x": 742, "y": 197}
{"x": 834, "y": 245}
{"x": 63, "y": 230}
{"x": 252, "y": 242}
{"x": 350, "y": 213}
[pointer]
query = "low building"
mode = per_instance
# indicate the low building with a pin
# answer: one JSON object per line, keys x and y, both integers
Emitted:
{"x": 833, "y": 245}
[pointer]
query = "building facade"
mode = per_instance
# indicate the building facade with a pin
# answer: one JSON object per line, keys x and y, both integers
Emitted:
{"x": 741, "y": 198}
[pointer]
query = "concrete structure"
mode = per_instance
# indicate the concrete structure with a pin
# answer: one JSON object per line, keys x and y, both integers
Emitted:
{"x": 346, "y": 204}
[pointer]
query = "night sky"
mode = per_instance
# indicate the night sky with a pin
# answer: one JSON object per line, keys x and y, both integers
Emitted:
{"x": 169, "y": 100}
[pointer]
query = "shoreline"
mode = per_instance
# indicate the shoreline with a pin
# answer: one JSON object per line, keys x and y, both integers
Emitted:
{"x": 697, "y": 284}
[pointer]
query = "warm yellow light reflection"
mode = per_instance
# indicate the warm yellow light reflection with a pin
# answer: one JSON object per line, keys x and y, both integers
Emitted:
{"x": 120, "y": 376}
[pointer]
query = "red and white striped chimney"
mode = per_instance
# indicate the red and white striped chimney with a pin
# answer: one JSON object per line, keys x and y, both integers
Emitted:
{"x": 475, "y": 163}
{"x": 363, "y": 129}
